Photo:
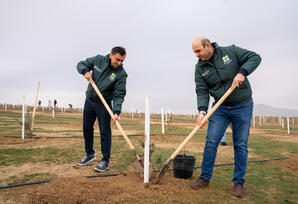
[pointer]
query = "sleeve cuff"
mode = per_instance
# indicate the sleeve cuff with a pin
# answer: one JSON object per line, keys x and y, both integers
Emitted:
{"x": 116, "y": 112}
{"x": 85, "y": 71}
{"x": 243, "y": 71}
{"x": 203, "y": 108}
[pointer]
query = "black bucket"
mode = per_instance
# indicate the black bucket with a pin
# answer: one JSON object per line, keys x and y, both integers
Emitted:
{"x": 184, "y": 166}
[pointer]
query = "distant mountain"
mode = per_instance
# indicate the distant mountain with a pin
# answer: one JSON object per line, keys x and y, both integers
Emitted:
{"x": 264, "y": 110}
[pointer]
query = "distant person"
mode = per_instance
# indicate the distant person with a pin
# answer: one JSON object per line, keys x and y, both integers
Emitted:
{"x": 70, "y": 106}
{"x": 219, "y": 68}
{"x": 55, "y": 103}
{"x": 39, "y": 103}
{"x": 110, "y": 78}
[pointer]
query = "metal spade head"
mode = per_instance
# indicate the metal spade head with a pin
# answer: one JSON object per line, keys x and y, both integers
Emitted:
{"x": 162, "y": 172}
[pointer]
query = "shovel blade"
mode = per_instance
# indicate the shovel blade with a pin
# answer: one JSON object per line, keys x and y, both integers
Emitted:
{"x": 138, "y": 165}
{"x": 162, "y": 172}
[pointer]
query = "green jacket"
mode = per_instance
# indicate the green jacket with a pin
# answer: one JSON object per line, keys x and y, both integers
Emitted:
{"x": 215, "y": 77}
{"x": 110, "y": 81}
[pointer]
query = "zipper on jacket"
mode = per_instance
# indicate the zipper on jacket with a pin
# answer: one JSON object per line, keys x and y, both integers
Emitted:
{"x": 221, "y": 80}
{"x": 99, "y": 78}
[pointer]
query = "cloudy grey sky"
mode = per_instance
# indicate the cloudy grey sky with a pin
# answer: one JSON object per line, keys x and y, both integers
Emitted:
{"x": 43, "y": 40}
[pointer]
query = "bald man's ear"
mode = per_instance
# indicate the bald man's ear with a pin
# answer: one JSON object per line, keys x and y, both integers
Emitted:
{"x": 208, "y": 45}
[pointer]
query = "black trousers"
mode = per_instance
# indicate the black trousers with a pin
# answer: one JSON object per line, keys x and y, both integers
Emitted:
{"x": 91, "y": 112}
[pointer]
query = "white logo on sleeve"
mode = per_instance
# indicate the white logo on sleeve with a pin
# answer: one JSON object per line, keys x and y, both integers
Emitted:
{"x": 205, "y": 73}
{"x": 97, "y": 68}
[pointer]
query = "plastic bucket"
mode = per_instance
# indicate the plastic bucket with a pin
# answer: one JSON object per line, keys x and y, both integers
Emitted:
{"x": 184, "y": 166}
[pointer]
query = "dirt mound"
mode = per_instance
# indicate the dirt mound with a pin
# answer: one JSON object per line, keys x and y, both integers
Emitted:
{"x": 126, "y": 188}
{"x": 290, "y": 164}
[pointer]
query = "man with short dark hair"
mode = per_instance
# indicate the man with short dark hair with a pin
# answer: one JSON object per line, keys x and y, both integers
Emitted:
{"x": 217, "y": 70}
{"x": 110, "y": 77}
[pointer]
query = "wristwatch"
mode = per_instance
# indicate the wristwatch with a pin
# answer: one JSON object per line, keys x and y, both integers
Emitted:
{"x": 202, "y": 113}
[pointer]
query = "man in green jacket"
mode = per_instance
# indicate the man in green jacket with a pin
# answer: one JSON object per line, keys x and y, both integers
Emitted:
{"x": 110, "y": 78}
{"x": 217, "y": 70}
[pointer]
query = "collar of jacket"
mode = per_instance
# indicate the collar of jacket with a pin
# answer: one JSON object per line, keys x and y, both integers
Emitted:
{"x": 216, "y": 50}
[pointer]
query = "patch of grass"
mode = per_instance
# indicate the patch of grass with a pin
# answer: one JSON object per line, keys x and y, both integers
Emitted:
{"x": 8, "y": 128}
{"x": 267, "y": 183}
{"x": 16, "y": 143}
{"x": 18, "y": 156}
{"x": 54, "y": 131}
{"x": 185, "y": 120}
{"x": 29, "y": 178}
{"x": 269, "y": 148}
{"x": 269, "y": 127}
{"x": 68, "y": 119}
{"x": 12, "y": 131}
{"x": 10, "y": 114}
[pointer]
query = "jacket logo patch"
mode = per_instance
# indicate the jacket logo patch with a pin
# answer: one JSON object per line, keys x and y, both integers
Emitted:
{"x": 96, "y": 67}
{"x": 226, "y": 59}
{"x": 112, "y": 77}
{"x": 205, "y": 73}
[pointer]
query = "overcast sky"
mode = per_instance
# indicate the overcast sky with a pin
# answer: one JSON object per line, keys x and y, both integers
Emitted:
{"x": 43, "y": 40}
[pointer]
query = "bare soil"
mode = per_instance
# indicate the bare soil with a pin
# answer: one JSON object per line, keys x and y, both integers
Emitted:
{"x": 290, "y": 165}
{"x": 124, "y": 188}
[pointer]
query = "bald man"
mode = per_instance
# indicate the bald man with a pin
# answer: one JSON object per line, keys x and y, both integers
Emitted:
{"x": 217, "y": 69}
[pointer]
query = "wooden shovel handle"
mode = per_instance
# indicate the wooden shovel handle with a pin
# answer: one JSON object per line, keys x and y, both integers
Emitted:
{"x": 112, "y": 116}
{"x": 229, "y": 91}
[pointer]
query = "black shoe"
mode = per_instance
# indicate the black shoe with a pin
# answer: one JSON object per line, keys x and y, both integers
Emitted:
{"x": 102, "y": 166}
{"x": 86, "y": 160}
{"x": 223, "y": 144}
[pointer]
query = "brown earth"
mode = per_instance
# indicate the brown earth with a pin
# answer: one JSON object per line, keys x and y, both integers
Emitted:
{"x": 125, "y": 188}
{"x": 290, "y": 164}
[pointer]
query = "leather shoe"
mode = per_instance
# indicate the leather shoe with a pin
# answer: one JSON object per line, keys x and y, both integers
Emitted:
{"x": 239, "y": 190}
{"x": 200, "y": 183}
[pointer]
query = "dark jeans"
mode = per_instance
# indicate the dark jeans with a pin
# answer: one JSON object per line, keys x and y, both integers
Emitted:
{"x": 91, "y": 112}
{"x": 239, "y": 116}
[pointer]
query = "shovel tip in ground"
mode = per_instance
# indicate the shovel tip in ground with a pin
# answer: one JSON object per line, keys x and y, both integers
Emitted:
{"x": 138, "y": 165}
{"x": 160, "y": 175}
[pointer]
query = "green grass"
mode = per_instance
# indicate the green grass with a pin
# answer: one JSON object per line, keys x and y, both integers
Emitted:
{"x": 18, "y": 156}
{"x": 121, "y": 152}
{"x": 10, "y": 114}
{"x": 266, "y": 147}
{"x": 37, "y": 130}
{"x": 17, "y": 143}
{"x": 29, "y": 178}
{"x": 265, "y": 183}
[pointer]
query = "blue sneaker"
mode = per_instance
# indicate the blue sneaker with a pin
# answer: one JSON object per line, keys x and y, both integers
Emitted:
{"x": 102, "y": 166}
{"x": 86, "y": 160}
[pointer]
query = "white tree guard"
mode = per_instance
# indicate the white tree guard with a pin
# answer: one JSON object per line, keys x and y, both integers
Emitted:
{"x": 162, "y": 122}
{"x": 147, "y": 140}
